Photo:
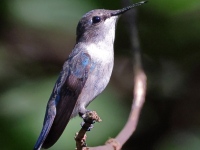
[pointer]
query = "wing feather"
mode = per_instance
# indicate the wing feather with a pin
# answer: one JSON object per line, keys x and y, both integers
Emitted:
{"x": 65, "y": 95}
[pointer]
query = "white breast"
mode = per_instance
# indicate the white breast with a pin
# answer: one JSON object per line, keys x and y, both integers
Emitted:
{"x": 100, "y": 52}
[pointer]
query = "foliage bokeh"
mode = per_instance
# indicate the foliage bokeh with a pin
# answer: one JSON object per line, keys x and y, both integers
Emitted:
{"x": 36, "y": 38}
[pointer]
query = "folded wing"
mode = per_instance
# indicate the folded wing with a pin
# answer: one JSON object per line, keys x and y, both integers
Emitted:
{"x": 63, "y": 99}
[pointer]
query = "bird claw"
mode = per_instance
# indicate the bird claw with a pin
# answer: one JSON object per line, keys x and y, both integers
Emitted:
{"x": 89, "y": 118}
{"x": 87, "y": 127}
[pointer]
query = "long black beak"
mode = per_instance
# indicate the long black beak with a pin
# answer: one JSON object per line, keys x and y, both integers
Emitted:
{"x": 123, "y": 10}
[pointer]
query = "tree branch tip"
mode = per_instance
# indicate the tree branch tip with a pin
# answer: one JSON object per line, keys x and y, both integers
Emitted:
{"x": 93, "y": 116}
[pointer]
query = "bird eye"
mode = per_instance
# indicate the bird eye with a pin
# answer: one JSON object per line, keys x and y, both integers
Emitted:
{"x": 96, "y": 19}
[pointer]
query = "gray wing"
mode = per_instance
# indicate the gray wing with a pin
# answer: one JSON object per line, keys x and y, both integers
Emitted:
{"x": 63, "y": 99}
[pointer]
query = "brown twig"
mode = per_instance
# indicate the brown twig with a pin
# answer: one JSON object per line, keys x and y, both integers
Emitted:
{"x": 139, "y": 90}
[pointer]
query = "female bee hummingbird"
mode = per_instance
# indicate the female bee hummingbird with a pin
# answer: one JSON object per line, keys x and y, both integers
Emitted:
{"x": 84, "y": 75}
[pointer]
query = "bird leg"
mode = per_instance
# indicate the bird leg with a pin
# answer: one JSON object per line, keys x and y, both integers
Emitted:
{"x": 89, "y": 118}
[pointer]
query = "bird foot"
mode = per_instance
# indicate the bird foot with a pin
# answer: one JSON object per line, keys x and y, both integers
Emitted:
{"x": 89, "y": 118}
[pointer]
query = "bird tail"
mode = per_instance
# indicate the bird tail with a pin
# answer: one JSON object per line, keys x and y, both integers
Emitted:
{"x": 45, "y": 130}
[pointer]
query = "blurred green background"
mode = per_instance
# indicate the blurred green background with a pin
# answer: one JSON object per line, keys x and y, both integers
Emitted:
{"x": 37, "y": 36}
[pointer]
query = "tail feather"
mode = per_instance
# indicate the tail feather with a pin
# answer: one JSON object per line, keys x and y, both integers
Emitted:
{"x": 45, "y": 130}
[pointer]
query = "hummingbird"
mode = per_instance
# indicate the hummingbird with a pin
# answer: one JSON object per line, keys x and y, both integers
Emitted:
{"x": 85, "y": 73}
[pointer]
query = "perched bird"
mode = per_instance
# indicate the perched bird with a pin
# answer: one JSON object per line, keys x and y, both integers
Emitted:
{"x": 84, "y": 75}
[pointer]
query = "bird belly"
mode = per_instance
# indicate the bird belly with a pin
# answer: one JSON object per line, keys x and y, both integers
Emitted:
{"x": 95, "y": 84}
